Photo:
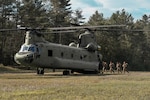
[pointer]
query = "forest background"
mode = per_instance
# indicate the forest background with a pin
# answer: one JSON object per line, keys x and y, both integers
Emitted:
{"x": 132, "y": 46}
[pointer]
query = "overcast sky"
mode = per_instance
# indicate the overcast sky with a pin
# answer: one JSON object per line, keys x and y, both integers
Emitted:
{"x": 135, "y": 7}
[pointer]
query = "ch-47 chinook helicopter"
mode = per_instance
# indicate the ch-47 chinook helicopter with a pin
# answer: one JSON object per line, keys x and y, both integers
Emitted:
{"x": 84, "y": 57}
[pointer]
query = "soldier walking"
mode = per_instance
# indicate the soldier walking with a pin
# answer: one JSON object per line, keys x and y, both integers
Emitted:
{"x": 111, "y": 66}
{"x": 125, "y": 65}
{"x": 118, "y": 66}
{"x": 104, "y": 66}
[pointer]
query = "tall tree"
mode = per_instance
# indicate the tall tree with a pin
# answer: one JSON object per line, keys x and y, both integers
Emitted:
{"x": 122, "y": 43}
{"x": 6, "y": 11}
{"x": 60, "y": 12}
{"x": 32, "y": 13}
{"x": 97, "y": 19}
{"x": 77, "y": 17}
{"x": 141, "y": 42}
{"x": 60, "y": 16}
{"x": 121, "y": 17}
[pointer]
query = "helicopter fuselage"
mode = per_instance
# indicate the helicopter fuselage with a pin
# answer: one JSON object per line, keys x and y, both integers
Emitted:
{"x": 57, "y": 56}
{"x": 39, "y": 53}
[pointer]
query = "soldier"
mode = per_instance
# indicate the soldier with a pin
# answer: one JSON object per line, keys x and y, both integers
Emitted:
{"x": 118, "y": 66}
{"x": 104, "y": 66}
{"x": 111, "y": 66}
{"x": 125, "y": 65}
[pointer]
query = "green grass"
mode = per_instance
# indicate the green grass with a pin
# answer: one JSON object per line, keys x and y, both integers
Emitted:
{"x": 54, "y": 86}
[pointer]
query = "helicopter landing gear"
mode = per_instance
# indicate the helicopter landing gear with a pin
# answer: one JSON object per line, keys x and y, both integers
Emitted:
{"x": 40, "y": 71}
{"x": 72, "y": 71}
{"x": 66, "y": 72}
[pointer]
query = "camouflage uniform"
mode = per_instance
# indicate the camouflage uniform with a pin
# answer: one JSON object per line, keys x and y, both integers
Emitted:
{"x": 118, "y": 66}
{"x": 111, "y": 66}
{"x": 125, "y": 65}
{"x": 104, "y": 66}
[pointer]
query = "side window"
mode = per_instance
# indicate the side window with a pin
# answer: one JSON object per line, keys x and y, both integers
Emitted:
{"x": 31, "y": 49}
{"x": 50, "y": 53}
{"x": 81, "y": 57}
{"x": 62, "y": 54}
{"x": 37, "y": 49}
{"x": 72, "y": 55}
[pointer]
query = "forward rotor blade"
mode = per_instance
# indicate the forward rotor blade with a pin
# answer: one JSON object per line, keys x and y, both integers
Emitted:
{"x": 4, "y": 30}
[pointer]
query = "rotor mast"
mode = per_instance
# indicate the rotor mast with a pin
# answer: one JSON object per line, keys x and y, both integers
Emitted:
{"x": 33, "y": 37}
{"x": 28, "y": 38}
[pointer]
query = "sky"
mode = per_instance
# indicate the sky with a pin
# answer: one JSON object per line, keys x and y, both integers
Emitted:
{"x": 137, "y": 8}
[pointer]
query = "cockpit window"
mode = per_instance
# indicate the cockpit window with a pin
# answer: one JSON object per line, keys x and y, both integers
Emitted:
{"x": 26, "y": 48}
{"x": 31, "y": 49}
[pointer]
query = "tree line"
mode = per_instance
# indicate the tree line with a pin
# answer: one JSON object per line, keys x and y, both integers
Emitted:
{"x": 131, "y": 46}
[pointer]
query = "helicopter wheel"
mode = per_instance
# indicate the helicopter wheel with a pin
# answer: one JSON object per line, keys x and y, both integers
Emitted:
{"x": 40, "y": 71}
{"x": 66, "y": 72}
{"x": 72, "y": 71}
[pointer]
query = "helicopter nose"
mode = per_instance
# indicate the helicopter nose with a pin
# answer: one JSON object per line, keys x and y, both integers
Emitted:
{"x": 23, "y": 58}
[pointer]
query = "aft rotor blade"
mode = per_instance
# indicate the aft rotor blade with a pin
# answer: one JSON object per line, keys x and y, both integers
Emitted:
{"x": 85, "y": 27}
{"x": 68, "y": 31}
{"x": 123, "y": 30}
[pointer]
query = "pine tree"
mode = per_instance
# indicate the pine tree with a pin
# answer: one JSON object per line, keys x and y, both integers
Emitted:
{"x": 60, "y": 17}
{"x": 96, "y": 19}
{"x": 32, "y": 13}
{"x": 6, "y": 11}
{"x": 77, "y": 17}
{"x": 141, "y": 42}
{"x": 60, "y": 12}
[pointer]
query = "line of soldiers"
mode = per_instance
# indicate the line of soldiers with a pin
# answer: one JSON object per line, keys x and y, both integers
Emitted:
{"x": 119, "y": 67}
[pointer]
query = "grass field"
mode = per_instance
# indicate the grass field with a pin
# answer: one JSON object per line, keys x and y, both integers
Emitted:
{"x": 54, "y": 86}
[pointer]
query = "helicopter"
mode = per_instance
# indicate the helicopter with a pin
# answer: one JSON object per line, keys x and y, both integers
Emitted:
{"x": 82, "y": 57}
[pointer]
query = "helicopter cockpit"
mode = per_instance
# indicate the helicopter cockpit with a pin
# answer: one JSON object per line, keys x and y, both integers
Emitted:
{"x": 27, "y": 54}
{"x": 29, "y": 48}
